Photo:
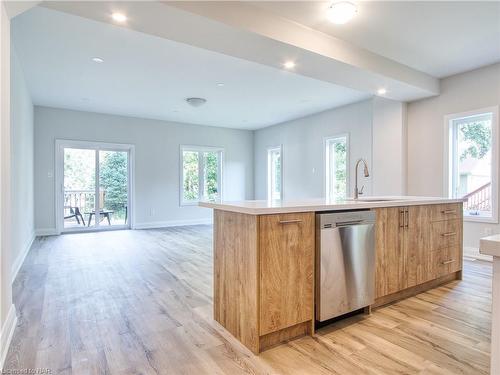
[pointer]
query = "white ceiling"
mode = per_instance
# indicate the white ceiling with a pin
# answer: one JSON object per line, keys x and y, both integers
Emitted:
{"x": 147, "y": 76}
{"x": 438, "y": 38}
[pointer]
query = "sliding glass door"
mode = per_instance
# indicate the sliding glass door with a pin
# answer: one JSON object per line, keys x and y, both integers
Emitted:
{"x": 113, "y": 187}
{"x": 94, "y": 182}
{"x": 79, "y": 187}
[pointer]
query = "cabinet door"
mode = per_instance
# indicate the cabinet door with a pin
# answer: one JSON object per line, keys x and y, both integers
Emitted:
{"x": 391, "y": 258}
{"x": 418, "y": 248}
{"x": 286, "y": 270}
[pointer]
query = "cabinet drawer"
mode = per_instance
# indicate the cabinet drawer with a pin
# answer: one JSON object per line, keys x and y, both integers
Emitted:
{"x": 445, "y": 233}
{"x": 446, "y": 211}
{"x": 446, "y": 261}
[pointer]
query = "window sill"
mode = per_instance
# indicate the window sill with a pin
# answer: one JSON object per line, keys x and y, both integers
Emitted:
{"x": 476, "y": 219}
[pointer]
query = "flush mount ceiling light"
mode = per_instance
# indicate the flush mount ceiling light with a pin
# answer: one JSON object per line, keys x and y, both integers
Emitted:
{"x": 382, "y": 91}
{"x": 220, "y": 84}
{"x": 289, "y": 65}
{"x": 341, "y": 12}
{"x": 98, "y": 60}
{"x": 119, "y": 17}
{"x": 196, "y": 102}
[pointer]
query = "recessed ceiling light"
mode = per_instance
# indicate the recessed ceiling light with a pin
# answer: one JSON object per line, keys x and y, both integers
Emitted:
{"x": 97, "y": 60}
{"x": 289, "y": 64}
{"x": 220, "y": 84}
{"x": 119, "y": 17}
{"x": 341, "y": 12}
{"x": 382, "y": 91}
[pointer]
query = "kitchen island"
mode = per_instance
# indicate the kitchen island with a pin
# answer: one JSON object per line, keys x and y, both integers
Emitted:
{"x": 265, "y": 259}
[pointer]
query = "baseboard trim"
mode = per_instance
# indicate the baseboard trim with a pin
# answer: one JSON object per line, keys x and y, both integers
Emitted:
{"x": 16, "y": 266}
{"x": 6, "y": 334}
{"x": 172, "y": 223}
{"x": 473, "y": 252}
{"x": 46, "y": 232}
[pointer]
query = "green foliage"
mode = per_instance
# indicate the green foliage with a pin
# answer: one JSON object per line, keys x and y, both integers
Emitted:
{"x": 190, "y": 165}
{"x": 190, "y": 180}
{"x": 113, "y": 179}
{"x": 340, "y": 149}
{"x": 211, "y": 169}
{"x": 477, "y": 136}
{"x": 79, "y": 169}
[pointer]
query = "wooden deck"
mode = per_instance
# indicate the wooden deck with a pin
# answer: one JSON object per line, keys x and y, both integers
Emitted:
{"x": 140, "y": 302}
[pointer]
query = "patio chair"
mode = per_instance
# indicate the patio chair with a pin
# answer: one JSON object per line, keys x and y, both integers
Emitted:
{"x": 75, "y": 212}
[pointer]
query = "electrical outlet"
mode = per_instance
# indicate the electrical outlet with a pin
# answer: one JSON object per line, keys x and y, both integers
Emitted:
{"x": 49, "y": 174}
{"x": 488, "y": 231}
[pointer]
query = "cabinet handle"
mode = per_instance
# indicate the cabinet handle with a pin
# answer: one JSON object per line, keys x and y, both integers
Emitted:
{"x": 401, "y": 219}
{"x": 448, "y": 261}
{"x": 407, "y": 218}
{"x": 448, "y": 212}
{"x": 448, "y": 234}
{"x": 290, "y": 221}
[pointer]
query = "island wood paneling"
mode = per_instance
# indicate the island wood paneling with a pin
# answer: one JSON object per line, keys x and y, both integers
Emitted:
{"x": 236, "y": 275}
{"x": 390, "y": 258}
{"x": 418, "y": 249}
{"x": 286, "y": 270}
{"x": 263, "y": 276}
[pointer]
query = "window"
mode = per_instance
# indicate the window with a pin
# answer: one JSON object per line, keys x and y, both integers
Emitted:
{"x": 201, "y": 174}
{"x": 336, "y": 167}
{"x": 472, "y": 162}
{"x": 274, "y": 173}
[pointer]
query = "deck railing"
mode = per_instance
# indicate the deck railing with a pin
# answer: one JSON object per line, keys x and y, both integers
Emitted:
{"x": 83, "y": 199}
{"x": 479, "y": 199}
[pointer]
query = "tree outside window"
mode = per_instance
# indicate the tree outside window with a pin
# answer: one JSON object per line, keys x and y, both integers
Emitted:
{"x": 201, "y": 174}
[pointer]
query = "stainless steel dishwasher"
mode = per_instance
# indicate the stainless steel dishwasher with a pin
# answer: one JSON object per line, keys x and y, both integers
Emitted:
{"x": 346, "y": 262}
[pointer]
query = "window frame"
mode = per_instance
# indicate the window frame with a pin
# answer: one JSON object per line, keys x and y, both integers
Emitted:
{"x": 271, "y": 149}
{"x": 201, "y": 181}
{"x": 327, "y": 141}
{"x": 449, "y": 163}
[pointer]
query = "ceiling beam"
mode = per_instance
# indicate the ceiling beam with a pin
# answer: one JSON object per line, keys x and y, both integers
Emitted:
{"x": 244, "y": 31}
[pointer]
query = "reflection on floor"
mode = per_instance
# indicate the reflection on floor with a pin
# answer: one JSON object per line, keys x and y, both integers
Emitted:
{"x": 139, "y": 302}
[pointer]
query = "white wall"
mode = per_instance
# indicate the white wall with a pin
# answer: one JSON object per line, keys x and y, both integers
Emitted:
{"x": 23, "y": 224}
{"x": 303, "y": 153}
{"x": 156, "y": 161}
{"x": 7, "y": 310}
{"x": 389, "y": 147}
{"x": 468, "y": 91}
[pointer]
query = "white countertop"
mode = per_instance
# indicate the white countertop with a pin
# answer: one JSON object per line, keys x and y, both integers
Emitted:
{"x": 490, "y": 245}
{"x": 262, "y": 207}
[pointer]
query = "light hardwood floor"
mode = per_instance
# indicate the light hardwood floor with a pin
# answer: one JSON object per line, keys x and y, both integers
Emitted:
{"x": 139, "y": 302}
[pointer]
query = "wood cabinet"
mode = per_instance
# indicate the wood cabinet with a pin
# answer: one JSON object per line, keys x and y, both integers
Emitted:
{"x": 390, "y": 257}
{"x": 286, "y": 270}
{"x": 264, "y": 266}
{"x": 264, "y": 276}
{"x": 416, "y": 245}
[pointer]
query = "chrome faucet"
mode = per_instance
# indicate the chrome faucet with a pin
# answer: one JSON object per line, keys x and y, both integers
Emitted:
{"x": 356, "y": 191}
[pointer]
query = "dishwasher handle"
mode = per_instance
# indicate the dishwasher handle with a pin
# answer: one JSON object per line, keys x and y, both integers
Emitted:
{"x": 344, "y": 224}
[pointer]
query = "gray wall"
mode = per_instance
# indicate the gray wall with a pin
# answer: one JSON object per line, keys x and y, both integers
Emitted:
{"x": 156, "y": 161}
{"x": 303, "y": 154}
{"x": 22, "y": 196}
{"x": 464, "y": 92}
